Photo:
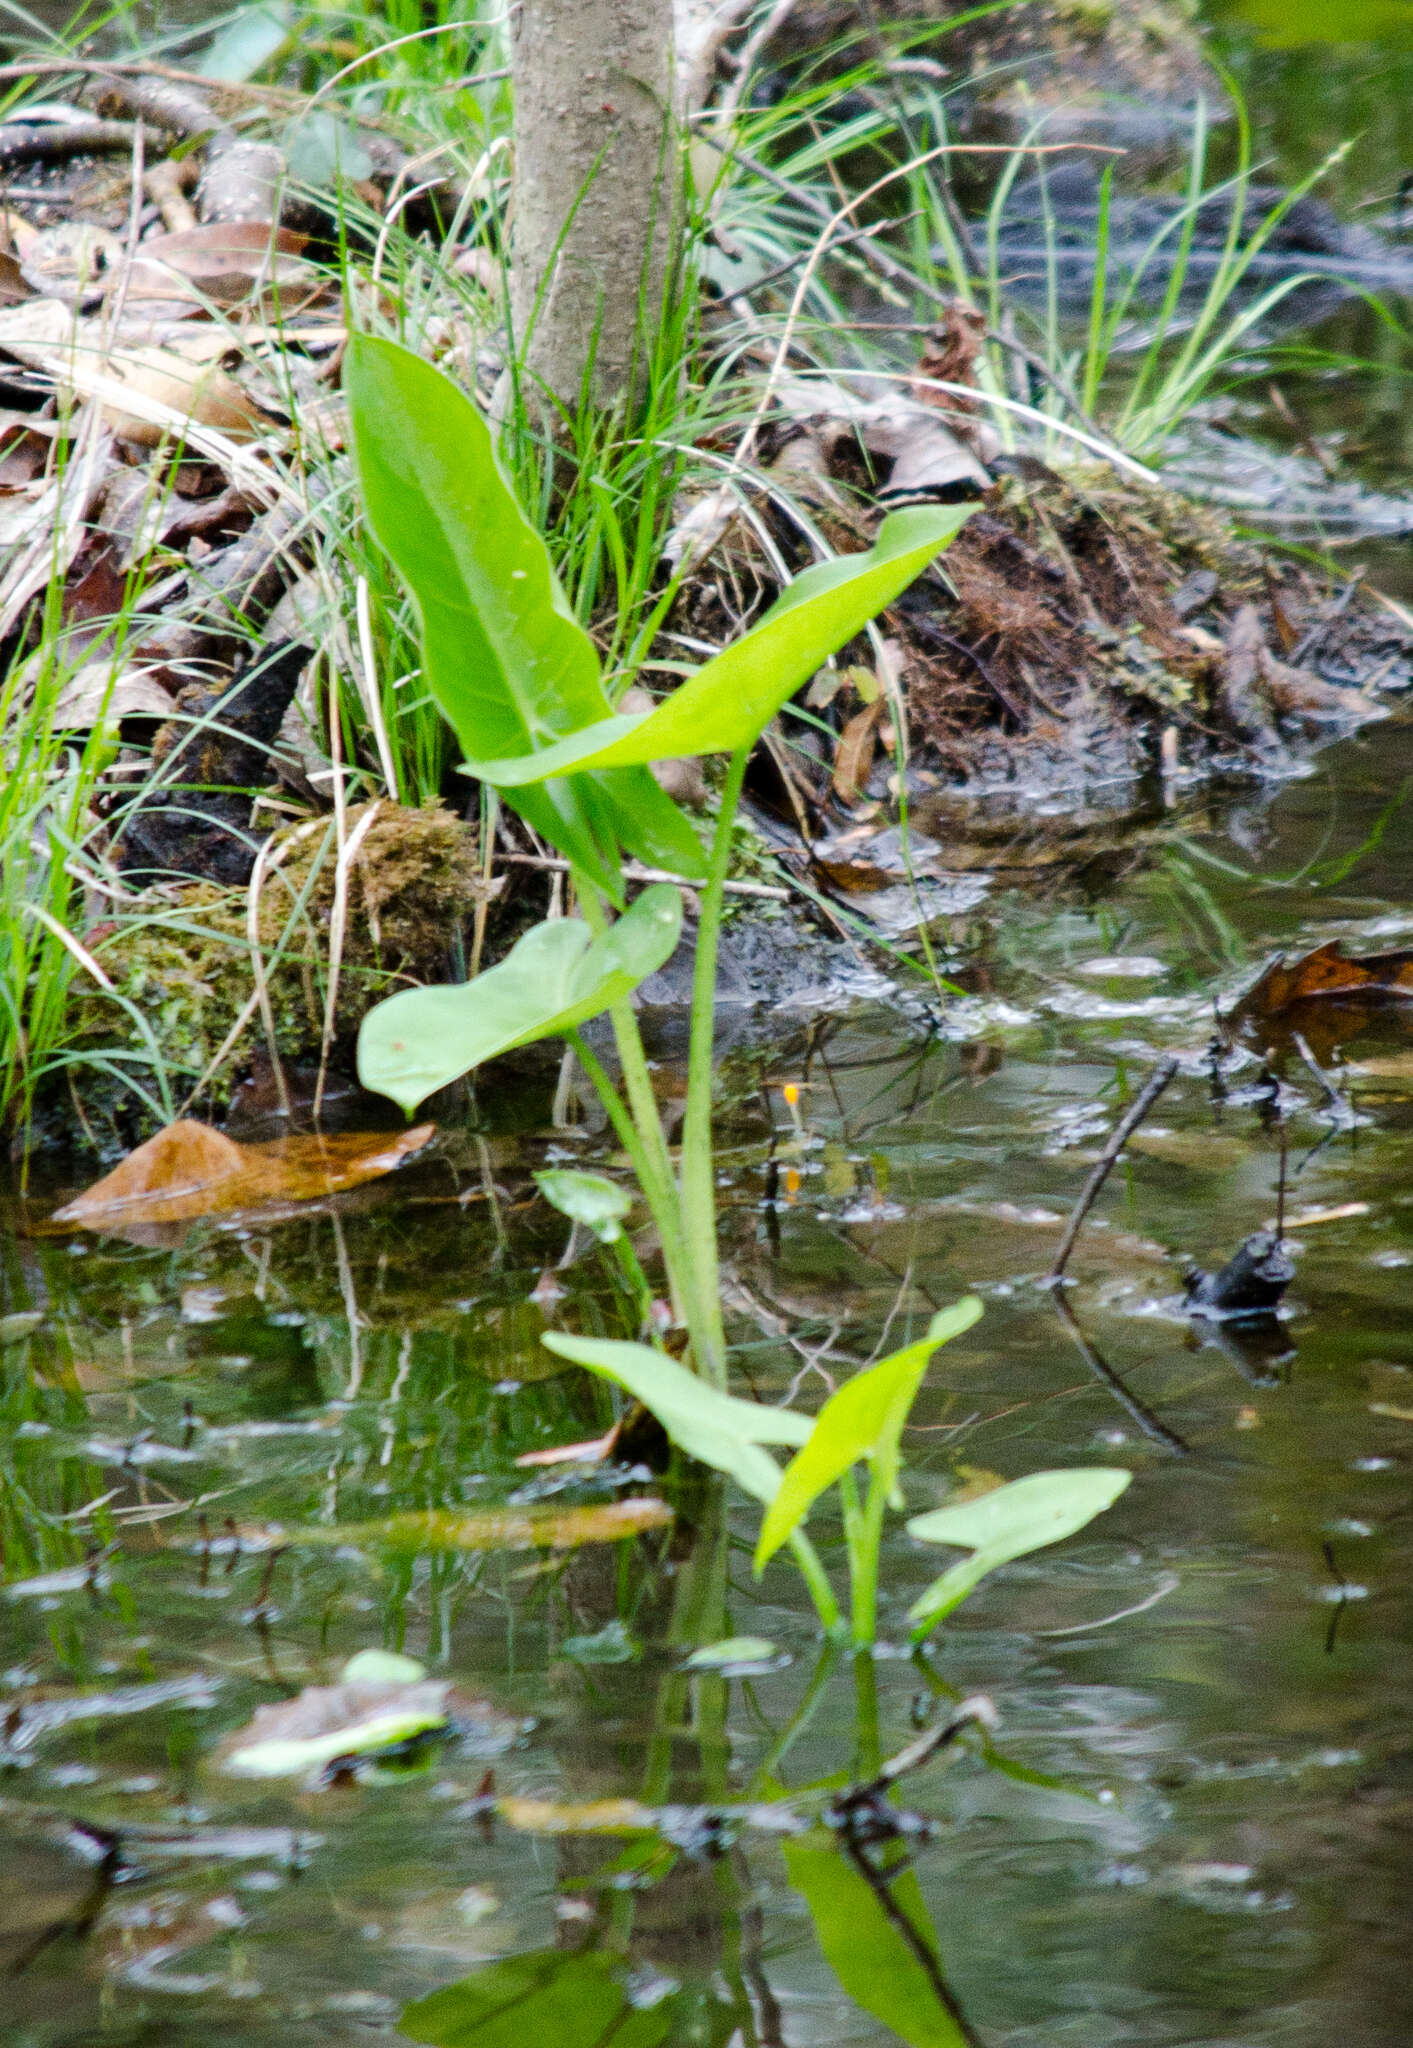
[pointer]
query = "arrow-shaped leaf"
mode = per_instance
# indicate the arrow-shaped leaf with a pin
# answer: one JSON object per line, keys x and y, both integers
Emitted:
{"x": 727, "y": 703}
{"x": 1008, "y": 1522}
{"x": 503, "y": 655}
{"x": 551, "y": 980}
{"x": 702, "y": 1421}
{"x": 863, "y": 1419}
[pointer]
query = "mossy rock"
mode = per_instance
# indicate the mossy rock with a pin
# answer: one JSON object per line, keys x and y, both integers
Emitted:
{"x": 181, "y": 962}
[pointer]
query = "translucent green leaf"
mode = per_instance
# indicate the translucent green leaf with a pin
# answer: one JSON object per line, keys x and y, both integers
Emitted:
{"x": 382, "y": 1667}
{"x": 1008, "y": 1522}
{"x": 864, "y": 1419}
{"x": 551, "y": 980}
{"x": 381, "y": 1700}
{"x": 730, "y": 701}
{"x": 552, "y": 1998}
{"x": 507, "y": 662}
{"x": 736, "y": 1655}
{"x": 587, "y": 1198}
{"x": 708, "y": 1425}
{"x": 250, "y": 38}
{"x": 867, "y": 1951}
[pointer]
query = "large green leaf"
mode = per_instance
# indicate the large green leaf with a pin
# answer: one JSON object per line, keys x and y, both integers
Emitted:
{"x": 1008, "y": 1522}
{"x": 729, "y": 702}
{"x": 714, "y": 1427}
{"x": 551, "y": 980}
{"x": 588, "y": 1198}
{"x": 551, "y": 1998}
{"x": 867, "y": 1951}
{"x": 504, "y": 657}
{"x": 864, "y": 1419}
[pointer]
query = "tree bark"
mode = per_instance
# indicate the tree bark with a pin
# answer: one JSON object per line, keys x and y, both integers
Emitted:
{"x": 597, "y": 192}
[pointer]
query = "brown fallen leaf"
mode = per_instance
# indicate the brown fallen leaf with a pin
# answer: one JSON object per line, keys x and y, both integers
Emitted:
{"x": 162, "y": 388}
{"x": 190, "y": 1170}
{"x": 594, "y": 1451}
{"x": 1327, "y": 975}
{"x": 94, "y": 695}
{"x": 223, "y": 260}
{"x": 853, "y": 757}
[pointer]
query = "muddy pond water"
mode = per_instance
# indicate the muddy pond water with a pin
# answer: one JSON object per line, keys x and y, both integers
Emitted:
{"x": 1197, "y": 1824}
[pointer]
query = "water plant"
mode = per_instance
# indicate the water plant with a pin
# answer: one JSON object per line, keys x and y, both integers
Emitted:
{"x": 519, "y": 680}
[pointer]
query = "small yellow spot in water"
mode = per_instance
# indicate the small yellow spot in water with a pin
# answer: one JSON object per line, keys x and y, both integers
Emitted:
{"x": 792, "y": 1183}
{"x": 791, "y": 1093}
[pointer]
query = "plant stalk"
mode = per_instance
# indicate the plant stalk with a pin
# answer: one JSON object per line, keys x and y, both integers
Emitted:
{"x": 697, "y": 1180}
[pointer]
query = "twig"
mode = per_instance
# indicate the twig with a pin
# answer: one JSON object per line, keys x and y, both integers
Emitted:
{"x": 1118, "y": 1138}
{"x": 744, "y": 59}
{"x": 1316, "y": 633}
{"x": 552, "y": 864}
{"x": 338, "y": 929}
{"x": 263, "y": 860}
{"x": 872, "y": 227}
{"x": 1147, "y": 1421}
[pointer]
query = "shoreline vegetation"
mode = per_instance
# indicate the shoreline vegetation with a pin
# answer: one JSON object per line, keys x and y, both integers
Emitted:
{"x": 234, "y": 814}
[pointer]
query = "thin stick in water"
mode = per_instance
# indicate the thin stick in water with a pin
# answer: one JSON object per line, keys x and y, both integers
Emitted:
{"x": 1123, "y": 1130}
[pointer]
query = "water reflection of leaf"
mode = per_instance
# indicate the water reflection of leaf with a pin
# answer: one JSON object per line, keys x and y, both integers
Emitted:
{"x": 543, "y": 2000}
{"x": 864, "y": 1944}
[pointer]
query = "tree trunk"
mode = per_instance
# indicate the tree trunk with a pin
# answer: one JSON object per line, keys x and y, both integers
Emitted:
{"x": 597, "y": 192}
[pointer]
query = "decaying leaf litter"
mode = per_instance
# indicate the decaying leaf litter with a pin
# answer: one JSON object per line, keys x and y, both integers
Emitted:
{"x": 174, "y": 325}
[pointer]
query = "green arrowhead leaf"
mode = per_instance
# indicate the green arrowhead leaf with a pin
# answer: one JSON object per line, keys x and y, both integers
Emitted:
{"x": 702, "y": 1421}
{"x": 730, "y": 701}
{"x": 1008, "y": 1522}
{"x": 587, "y": 1198}
{"x": 864, "y": 1419}
{"x": 551, "y": 980}
{"x": 507, "y": 662}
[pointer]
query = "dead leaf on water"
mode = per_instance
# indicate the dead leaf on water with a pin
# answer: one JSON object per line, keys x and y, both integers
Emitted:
{"x": 1326, "y": 975}
{"x": 595, "y": 1451}
{"x": 191, "y": 1170}
{"x": 1306, "y": 1219}
{"x": 383, "y": 1700}
{"x": 587, "y": 1817}
{"x": 542, "y": 1526}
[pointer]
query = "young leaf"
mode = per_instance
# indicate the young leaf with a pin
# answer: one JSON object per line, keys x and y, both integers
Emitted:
{"x": 503, "y": 655}
{"x": 705, "y": 1423}
{"x": 1009, "y": 1522}
{"x": 730, "y": 701}
{"x": 587, "y": 1198}
{"x": 552, "y": 979}
{"x": 864, "y": 1419}
{"x": 876, "y": 1964}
